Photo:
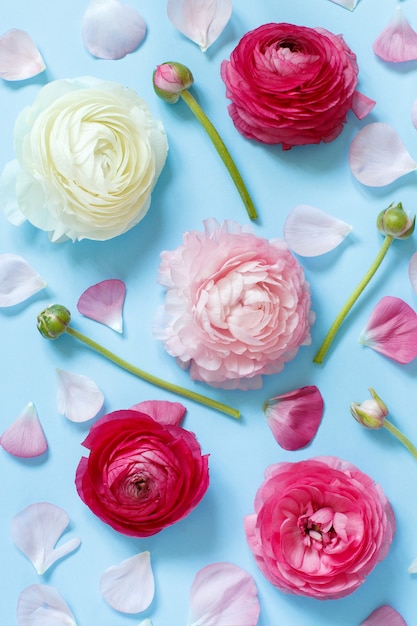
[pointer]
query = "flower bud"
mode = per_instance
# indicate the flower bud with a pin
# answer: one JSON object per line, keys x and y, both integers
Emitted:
{"x": 371, "y": 413}
{"x": 170, "y": 80}
{"x": 53, "y": 321}
{"x": 395, "y": 222}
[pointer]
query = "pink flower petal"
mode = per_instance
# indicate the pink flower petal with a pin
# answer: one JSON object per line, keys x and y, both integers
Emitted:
{"x": 42, "y": 605}
{"x": 362, "y": 105}
{"x": 412, "y": 271}
{"x": 378, "y": 156}
{"x": 310, "y": 232}
{"x": 162, "y": 411}
{"x": 414, "y": 114}
{"x": 392, "y": 330}
{"x": 294, "y": 417}
{"x": 223, "y": 594}
{"x": 130, "y": 586}
{"x": 104, "y": 302}
{"x": 25, "y": 437}
{"x": 18, "y": 280}
{"x": 111, "y": 29}
{"x": 398, "y": 41}
{"x": 78, "y": 397}
{"x": 37, "y": 529}
{"x": 348, "y": 4}
{"x": 19, "y": 57}
{"x": 384, "y": 616}
{"x": 202, "y": 21}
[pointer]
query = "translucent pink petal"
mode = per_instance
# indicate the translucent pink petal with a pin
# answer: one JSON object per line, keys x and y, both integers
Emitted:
{"x": 309, "y": 231}
{"x": 19, "y": 56}
{"x": 162, "y": 411}
{"x": 378, "y": 156}
{"x": 384, "y": 616}
{"x": 18, "y": 280}
{"x": 295, "y": 417}
{"x": 111, "y": 29}
{"x": 362, "y": 105}
{"x": 25, "y": 437}
{"x": 398, "y": 41}
{"x": 202, "y": 21}
{"x": 412, "y": 271}
{"x": 42, "y": 605}
{"x": 78, "y": 397}
{"x": 348, "y": 4}
{"x": 223, "y": 594}
{"x": 37, "y": 529}
{"x": 392, "y": 330}
{"x": 104, "y": 302}
{"x": 130, "y": 586}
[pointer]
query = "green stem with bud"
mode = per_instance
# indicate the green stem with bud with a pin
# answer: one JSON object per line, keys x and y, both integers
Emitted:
{"x": 351, "y": 300}
{"x": 399, "y": 435}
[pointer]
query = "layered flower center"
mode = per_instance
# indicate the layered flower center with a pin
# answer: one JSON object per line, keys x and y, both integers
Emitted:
{"x": 317, "y": 529}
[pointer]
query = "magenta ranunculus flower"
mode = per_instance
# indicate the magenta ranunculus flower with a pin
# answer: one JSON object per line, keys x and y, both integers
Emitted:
{"x": 320, "y": 526}
{"x": 144, "y": 471}
{"x": 292, "y": 85}
{"x": 237, "y": 305}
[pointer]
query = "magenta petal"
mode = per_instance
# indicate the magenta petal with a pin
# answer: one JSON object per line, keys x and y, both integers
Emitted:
{"x": 202, "y": 21}
{"x": 104, "y": 302}
{"x": 392, "y": 330}
{"x": 384, "y": 616}
{"x": 398, "y": 41}
{"x": 362, "y": 105}
{"x": 223, "y": 594}
{"x": 162, "y": 411}
{"x": 295, "y": 417}
{"x": 25, "y": 437}
{"x": 19, "y": 57}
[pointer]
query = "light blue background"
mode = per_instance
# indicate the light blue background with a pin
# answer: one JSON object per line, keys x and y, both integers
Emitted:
{"x": 193, "y": 186}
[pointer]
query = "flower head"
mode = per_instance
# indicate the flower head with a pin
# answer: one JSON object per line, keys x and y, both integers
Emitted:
{"x": 53, "y": 321}
{"x": 170, "y": 80}
{"x": 395, "y": 222}
{"x": 370, "y": 413}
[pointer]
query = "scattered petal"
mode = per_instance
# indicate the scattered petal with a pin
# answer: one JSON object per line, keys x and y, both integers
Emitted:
{"x": 414, "y": 114}
{"x": 223, "y": 594}
{"x": 19, "y": 57}
{"x": 398, "y": 41}
{"x": 378, "y": 156}
{"x": 111, "y": 30}
{"x": 310, "y": 232}
{"x": 42, "y": 605}
{"x": 130, "y": 586}
{"x": 202, "y": 21}
{"x": 392, "y": 330}
{"x": 78, "y": 397}
{"x": 413, "y": 567}
{"x": 362, "y": 105}
{"x": 18, "y": 280}
{"x": 37, "y": 529}
{"x": 25, "y": 437}
{"x": 146, "y": 622}
{"x": 348, "y": 4}
{"x": 412, "y": 271}
{"x": 295, "y": 417}
{"x": 162, "y": 411}
{"x": 384, "y": 616}
{"x": 104, "y": 302}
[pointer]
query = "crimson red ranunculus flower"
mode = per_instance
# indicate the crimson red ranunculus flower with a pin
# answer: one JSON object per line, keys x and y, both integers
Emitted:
{"x": 144, "y": 471}
{"x": 290, "y": 85}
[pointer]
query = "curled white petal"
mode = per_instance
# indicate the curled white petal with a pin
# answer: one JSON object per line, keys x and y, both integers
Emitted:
{"x": 25, "y": 437}
{"x": 348, "y": 4}
{"x": 111, "y": 29}
{"x": 78, "y": 397}
{"x": 19, "y": 57}
{"x": 378, "y": 156}
{"x": 42, "y": 605}
{"x": 36, "y": 530}
{"x": 129, "y": 587}
{"x": 18, "y": 280}
{"x": 202, "y": 21}
{"x": 309, "y": 231}
{"x": 104, "y": 302}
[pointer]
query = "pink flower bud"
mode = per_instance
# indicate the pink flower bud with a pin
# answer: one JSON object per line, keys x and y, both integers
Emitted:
{"x": 170, "y": 80}
{"x": 371, "y": 413}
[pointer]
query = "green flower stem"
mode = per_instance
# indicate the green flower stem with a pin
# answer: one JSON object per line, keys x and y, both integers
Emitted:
{"x": 222, "y": 150}
{"x": 351, "y": 300}
{"x": 404, "y": 440}
{"x": 154, "y": 380}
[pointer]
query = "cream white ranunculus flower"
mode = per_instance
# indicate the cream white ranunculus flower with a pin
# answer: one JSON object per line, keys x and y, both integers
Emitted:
{"x": 88, "y": 154}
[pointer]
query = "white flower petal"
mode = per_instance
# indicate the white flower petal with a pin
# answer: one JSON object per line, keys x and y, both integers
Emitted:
{"x": 378, "y": 156}
{"x": 78, "y": 397}
{"x": 104, "y": 302}
{"x": 202, "y": 21}
{"x": 309, "y": 231}
{"x": 18, "y": 280}
{"x": 19, "y": 56}
{"x": 412, "y": 271}
{"x": 111, "y": 29}
{"x": 348, "y": 4}
{"x": 36, "y": 530}
{"x": 25, "y": 437}
{"x": 412, "y": 569}
{"x": 42, "y": 605}
{"x": 129, "y": 587}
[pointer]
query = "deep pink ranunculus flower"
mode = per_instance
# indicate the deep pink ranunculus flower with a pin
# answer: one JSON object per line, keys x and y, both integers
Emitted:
{"x": 237, "y": 305}
{"x": 319, "y": 527}
{"x": 144, "y": 471}
{"x": 290, "y": 85}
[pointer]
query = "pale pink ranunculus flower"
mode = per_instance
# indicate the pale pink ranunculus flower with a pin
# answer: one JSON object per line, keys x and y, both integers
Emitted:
{"x": 237, "y": 305}
{"x": 319, "y": 527}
